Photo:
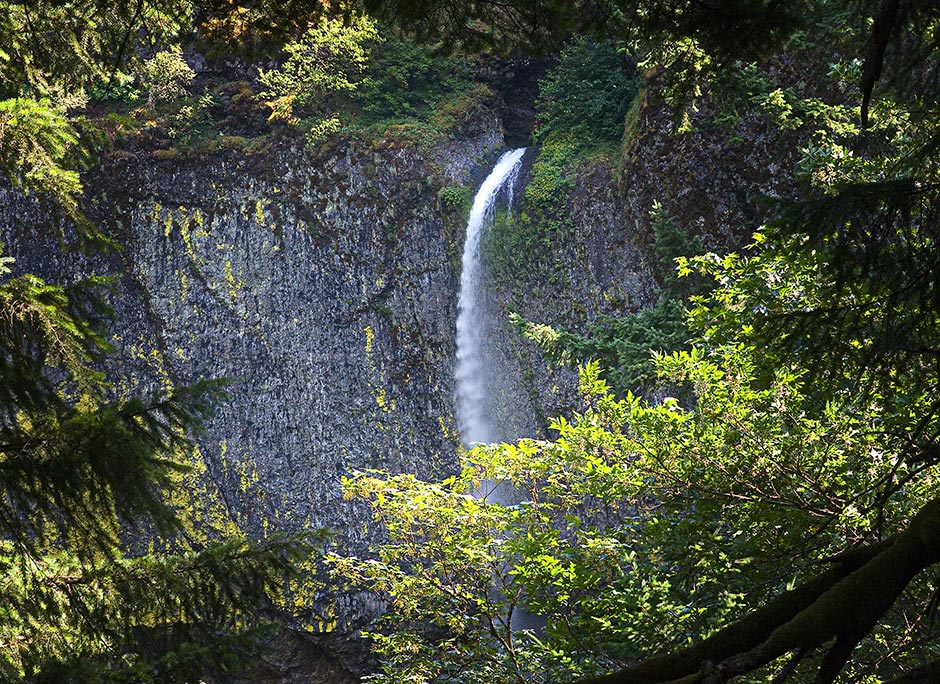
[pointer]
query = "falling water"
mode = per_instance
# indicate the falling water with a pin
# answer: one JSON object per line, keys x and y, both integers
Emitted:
{"x": 474, "y": 414}
{"x": 474, "y": 418}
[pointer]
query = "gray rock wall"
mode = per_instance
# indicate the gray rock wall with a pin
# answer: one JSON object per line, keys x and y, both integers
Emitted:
{"x": 323, "y": 288}
{"x": 596, "y": 264}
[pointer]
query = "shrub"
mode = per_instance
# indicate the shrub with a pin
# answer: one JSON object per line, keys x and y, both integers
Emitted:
{"x": 457, "y": 196}
{"x": 329, "y": 59}
{"x": 587, "y": 93}
{"x": 166, "y": 76}
{"x": 192, "y": 120}
{"x": 404, "y": 80}
{"x": 118, "y": 88}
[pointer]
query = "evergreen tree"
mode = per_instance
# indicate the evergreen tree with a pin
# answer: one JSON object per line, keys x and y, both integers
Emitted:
{"x": 85, "y": 477}
{"x": 78, "y": 473}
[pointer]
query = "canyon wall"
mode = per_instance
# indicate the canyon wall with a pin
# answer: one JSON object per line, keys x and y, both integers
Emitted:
{"x": 323, "y": 286}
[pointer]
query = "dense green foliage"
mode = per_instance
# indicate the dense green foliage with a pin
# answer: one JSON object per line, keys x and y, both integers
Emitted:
{"x": 678, "y": 33}
{"x": 166, "y": 76}
{"x": 404, "y": 81}
{"x": 580, "y": 112}
{"x": 53, "y": 50}
{"x": 781, "y": 522}
{"x": 586, "y": 95}
{"x": 349, "y": 74}
{"x": 621, "y": 344}
{"x": 36, "y": 139}
{"x": 327, "y": 61}
{"x": 602, "y": 547}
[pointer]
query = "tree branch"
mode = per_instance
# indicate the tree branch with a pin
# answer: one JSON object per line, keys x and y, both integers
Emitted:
{"x": 881, "y": 34}
{"x": 843, "y": 604}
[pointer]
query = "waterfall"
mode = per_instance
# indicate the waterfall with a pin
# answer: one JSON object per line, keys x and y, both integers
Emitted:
{"x": 474, "y": 417}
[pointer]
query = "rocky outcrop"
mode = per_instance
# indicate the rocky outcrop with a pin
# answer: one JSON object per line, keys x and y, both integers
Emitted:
{"x": 594, "y": 264}
{"x": 714, "y": 177}
{"x": 323, "y": 287}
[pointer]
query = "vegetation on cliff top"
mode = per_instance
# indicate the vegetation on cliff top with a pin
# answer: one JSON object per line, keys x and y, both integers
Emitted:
{"x": 342, "y": 77}
{"x": 583, "y": 100}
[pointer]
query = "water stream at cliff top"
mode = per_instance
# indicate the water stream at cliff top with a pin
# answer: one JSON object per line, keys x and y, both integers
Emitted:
{"x": 475, "y": 419}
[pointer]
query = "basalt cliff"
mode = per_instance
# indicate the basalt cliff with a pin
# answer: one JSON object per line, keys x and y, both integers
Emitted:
{"x": 323, "y": 285}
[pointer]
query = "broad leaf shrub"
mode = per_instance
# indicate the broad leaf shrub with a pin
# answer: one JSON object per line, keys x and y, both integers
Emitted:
{"x": 405, "y": 81}
{"x": 166, "y": 76}
{"x": 327, "y": 62}
{"x": 638, "y": 527}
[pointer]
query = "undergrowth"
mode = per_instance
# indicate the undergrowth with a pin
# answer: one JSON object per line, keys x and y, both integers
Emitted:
{"x": 581, "y": 107}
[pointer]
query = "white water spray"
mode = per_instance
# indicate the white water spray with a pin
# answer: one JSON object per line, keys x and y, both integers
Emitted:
{"x": 474, "y": 418}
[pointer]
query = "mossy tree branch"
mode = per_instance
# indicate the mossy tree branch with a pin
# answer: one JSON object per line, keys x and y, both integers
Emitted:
{"x": 842, "y": 604}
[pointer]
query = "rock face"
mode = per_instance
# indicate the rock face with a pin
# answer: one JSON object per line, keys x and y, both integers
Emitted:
{"x": 711, "y": 178}
{"x": 324, "y": 287}
{"x": 595, "y": 265}
{"x": 326, "y": 292}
